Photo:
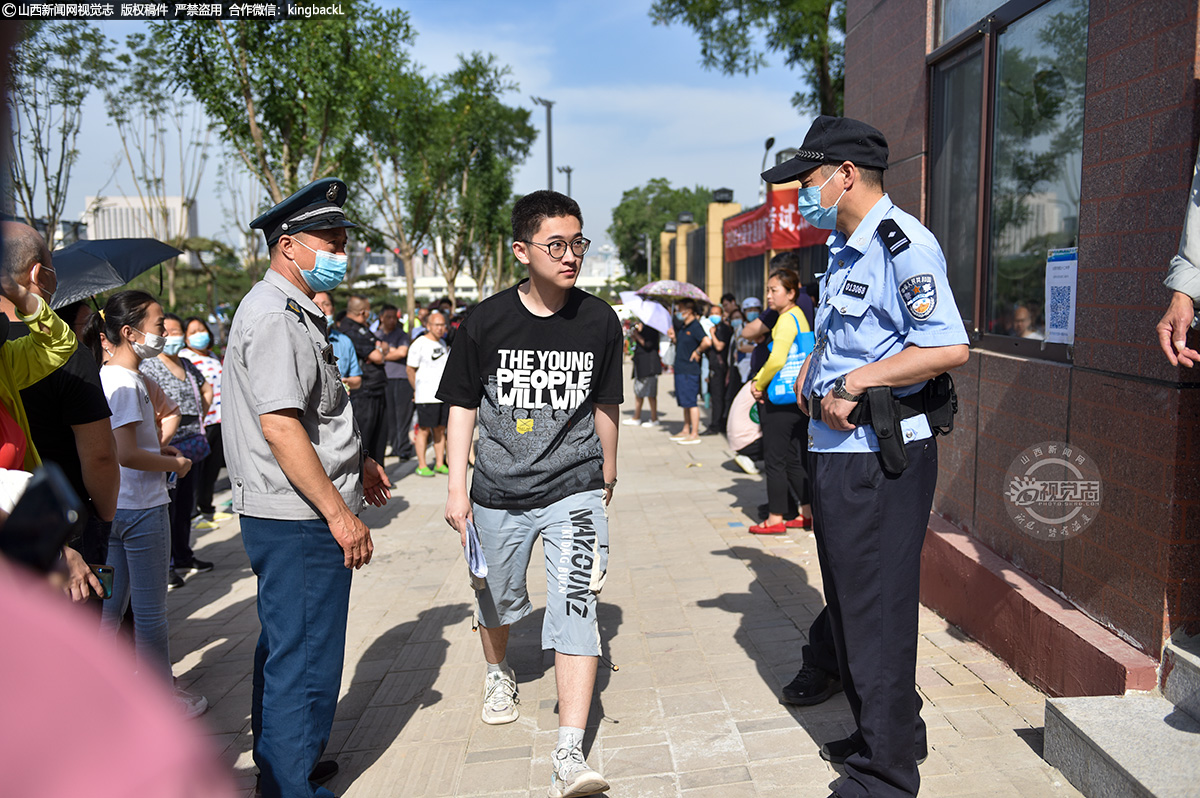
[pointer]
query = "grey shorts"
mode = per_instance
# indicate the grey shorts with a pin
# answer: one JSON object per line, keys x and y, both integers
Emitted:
{"x": 574, "y": 533}
{"x": 646, "y": 388}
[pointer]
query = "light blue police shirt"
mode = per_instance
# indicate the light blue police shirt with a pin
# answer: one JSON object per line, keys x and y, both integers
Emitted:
{"x": 873, "y": 305}
{"x": 343, "y": 350}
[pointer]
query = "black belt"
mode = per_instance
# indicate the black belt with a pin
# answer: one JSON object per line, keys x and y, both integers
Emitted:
{"x": 910, "y": 406}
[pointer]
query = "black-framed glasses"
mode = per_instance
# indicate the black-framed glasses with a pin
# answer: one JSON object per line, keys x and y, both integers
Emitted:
{"x": 557, "y": 249}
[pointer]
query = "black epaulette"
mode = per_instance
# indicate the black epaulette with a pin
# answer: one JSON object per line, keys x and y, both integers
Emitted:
{"x": 893, "y": 237}
{"x": 294, "y": 307}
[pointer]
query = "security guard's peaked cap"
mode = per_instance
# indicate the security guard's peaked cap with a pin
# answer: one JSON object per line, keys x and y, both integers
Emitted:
{"x": 317, "y": 206}
{"x": 833, "y": 139}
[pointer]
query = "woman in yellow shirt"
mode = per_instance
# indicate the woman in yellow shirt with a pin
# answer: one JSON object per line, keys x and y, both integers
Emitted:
{"x": 784, "y": 427}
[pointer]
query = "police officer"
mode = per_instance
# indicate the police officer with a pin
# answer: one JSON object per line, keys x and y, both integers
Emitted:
{"x": 299, "y": 479}
{"x": 887, "y": 321}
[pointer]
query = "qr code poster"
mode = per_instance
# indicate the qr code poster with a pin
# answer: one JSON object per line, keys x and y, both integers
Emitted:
{"x": 1062, "y": 268}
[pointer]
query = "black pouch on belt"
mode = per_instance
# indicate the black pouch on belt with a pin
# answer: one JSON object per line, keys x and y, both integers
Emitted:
{"x": 941, "y": 403}
{"x": 885, "y": 418}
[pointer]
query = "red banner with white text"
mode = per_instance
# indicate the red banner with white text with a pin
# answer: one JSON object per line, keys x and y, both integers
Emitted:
{"x": 773, "y": 225}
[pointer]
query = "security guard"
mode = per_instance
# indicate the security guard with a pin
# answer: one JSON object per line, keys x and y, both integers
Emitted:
{"x": 299, "y": 479}
{"x": 886, "y": 326}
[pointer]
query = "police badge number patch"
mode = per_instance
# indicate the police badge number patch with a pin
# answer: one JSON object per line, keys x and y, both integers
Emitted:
{"x": 920, "y": 295}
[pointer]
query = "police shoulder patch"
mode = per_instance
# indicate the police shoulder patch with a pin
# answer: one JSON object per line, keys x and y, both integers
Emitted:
{"x": 892, "y": 236}
{"x": 919, "y": 294}
{"x": 294, "y": 307}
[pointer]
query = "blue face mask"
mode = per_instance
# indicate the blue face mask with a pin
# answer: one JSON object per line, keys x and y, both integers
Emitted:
{"x": 715, "y": 319}
{"x": 808, "y": 202}
{"x": 678, "y": 316}
{"x": 328, "y": 271}
{"x": 737, "y": 325}
{"x": 199, "y": 340}
{"x": 173, "y": 345}
{"x": 751, "y": 315}
{"x": 329, "y": 321}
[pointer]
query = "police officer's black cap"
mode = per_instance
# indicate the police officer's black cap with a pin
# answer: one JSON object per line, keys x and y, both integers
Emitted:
{"x": 833, "y": 139}
{"x": 317, "y": 206}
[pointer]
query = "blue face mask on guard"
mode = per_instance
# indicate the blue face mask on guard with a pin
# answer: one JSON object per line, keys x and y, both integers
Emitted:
{"x": 808, "y": 202}
{"x": 327, "y": 272}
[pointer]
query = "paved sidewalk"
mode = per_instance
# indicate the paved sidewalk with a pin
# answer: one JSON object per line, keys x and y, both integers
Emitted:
{"x": 704, "y": 620}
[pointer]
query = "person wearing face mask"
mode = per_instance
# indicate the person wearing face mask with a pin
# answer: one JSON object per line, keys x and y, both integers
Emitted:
{"x": 66, "y": 413}
{"x": 370, "y": 400}
{"x": 300, "y": 476}
{"x": 886, "y": 327}
{"x": 186, "y": 386}
{"x": 139, "y": 546}
{"x": 343, "y": 347}
{"x": 720, "y": 336}
{"x": 200, "y": 354}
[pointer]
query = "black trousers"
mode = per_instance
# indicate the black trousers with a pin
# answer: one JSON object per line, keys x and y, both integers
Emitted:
{"x": 820, "y": 651}
{"x": 183, "y": 501}
{"x": 400, "y": 417}
{"x": 210, "y": 467}
{"x": 785, "y": 431}
{"x": 870, "y": 527}
{"x": 370, "y": 413}
{"x": 718, "y": 408}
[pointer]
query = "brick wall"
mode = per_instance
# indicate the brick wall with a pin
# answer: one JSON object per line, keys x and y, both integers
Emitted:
{"x": 886, "y": 87}
{"x": 1137, "y": 568}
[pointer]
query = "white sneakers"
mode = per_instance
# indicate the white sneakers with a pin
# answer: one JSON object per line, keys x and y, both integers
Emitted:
{"x": 190, "y": 704}
{"x": 631, "y": 422}
{"x": 651, "y": 424}
{"x": 500, "y": 698}
{"x": 746, "y": 464}
{"x": 572, "y": 776}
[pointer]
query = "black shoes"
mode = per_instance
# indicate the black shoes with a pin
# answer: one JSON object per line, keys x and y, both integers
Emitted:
{"x": 811, "y": 686}
{"x": 174, "y": 580}
{"x": 194, "y": 567}
{"x": 838, "y": 751}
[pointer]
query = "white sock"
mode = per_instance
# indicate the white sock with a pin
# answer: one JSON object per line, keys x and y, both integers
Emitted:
{"x": 569, "y": 737}
{"x": 502, "y": 665}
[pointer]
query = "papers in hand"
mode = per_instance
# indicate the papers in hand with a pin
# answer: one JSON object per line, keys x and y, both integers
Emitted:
{"x": 476, "y": 564}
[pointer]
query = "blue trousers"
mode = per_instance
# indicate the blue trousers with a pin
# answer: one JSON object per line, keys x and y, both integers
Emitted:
{"x": 303, "y": 599}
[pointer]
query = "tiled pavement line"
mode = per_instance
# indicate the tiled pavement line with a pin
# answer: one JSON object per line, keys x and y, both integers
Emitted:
{"x": 704, "y": 620}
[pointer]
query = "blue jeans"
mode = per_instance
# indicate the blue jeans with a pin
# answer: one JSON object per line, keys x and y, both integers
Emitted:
{"x": 139, "y": 547}
{"x": 303, "y": 599}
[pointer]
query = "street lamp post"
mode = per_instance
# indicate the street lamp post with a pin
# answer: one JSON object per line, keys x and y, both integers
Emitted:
{"x": 549, "y": 142}
{"x": 762, "y": 184}
{"x": 567, "y": 170}
{"x": 649, "y": 260}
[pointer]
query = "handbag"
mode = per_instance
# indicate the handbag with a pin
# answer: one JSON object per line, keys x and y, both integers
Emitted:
{"x": 782, "y": 388}
{"x": 194, "y": 447}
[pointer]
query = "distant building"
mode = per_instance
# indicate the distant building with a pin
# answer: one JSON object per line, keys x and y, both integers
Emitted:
{"x": 133, "y": 217}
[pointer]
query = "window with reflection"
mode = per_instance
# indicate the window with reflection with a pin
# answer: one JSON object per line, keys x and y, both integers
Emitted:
{"x": 954, "y": 170}
{"x": 955, "y": 16}
{"x": 1037, "y": 146}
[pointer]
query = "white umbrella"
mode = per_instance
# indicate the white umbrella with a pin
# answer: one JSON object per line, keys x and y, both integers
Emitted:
{"x": 650, "y": 312}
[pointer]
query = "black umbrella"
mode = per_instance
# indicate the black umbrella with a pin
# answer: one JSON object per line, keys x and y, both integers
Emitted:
{"x": 86, "y": 268}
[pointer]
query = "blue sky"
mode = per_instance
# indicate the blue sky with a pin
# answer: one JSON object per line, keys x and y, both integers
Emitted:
{"x": 631, "y": 103}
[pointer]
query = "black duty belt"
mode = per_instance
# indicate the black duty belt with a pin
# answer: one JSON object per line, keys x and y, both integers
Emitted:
{"x": 910, "y": 406}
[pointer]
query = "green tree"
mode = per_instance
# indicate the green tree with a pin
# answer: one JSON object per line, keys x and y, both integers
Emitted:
{"x": 160, "y": 131}
{"x": 644, "y": 211}
{"x": 809, "y": 33}
{"x": 487, "y": 140}
{"x": 285, "y": 95}
{"x": 52, "y": 70}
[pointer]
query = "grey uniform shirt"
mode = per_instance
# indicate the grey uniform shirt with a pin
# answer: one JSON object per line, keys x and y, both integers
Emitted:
{"x": 278, "y": 357}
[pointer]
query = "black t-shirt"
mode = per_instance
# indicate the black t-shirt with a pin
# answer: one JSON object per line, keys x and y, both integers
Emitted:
{"x": 687, "y": 340}
{"x": 374, "y": 376}
{"x": 762, "y": 351}
{"x": 646, "y": 360}
{"x": 536, "y": 381}
{"x": 70, "y": 395}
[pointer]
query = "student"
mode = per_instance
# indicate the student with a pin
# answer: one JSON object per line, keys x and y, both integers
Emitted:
{"x": 540, "y": 366}
{"x": 139, "y": 546}
{"x": 425, "y": 364}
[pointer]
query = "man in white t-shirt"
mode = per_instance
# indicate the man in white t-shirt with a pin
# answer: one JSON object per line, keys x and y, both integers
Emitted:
{"x": 426, "y": 362}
